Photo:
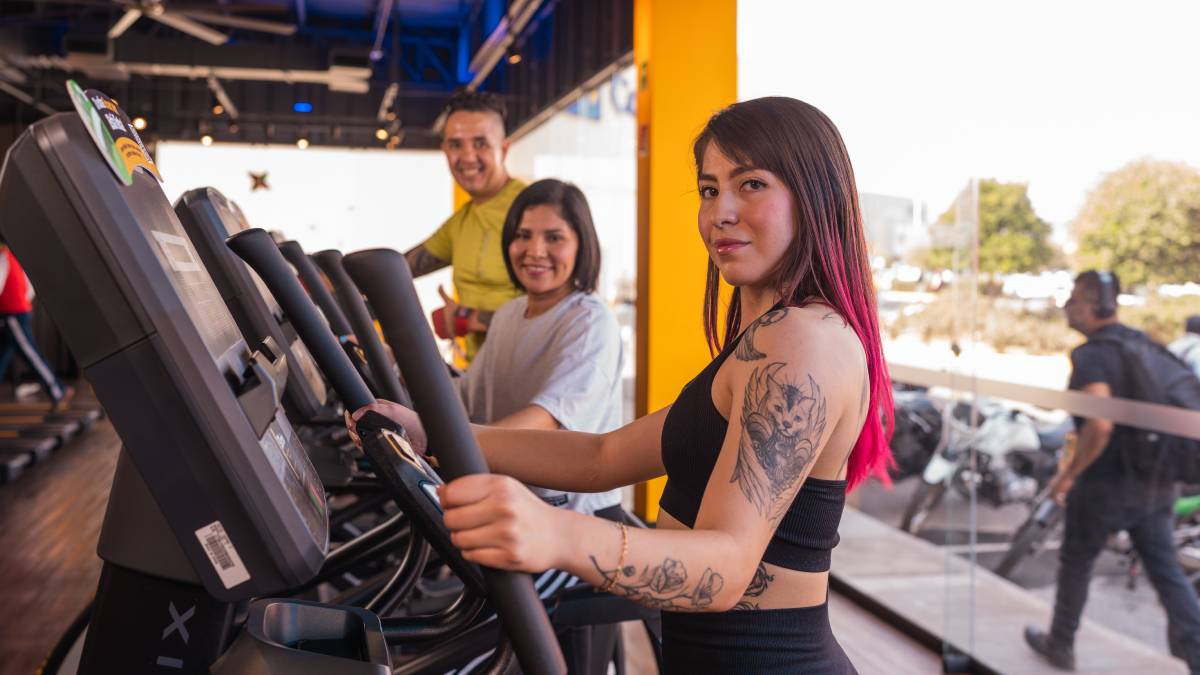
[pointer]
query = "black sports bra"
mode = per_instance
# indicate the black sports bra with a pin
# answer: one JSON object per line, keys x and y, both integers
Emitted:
{"x": 692, "y": 435}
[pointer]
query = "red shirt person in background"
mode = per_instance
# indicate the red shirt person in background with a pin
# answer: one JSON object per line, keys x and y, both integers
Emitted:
{"x": 16, "y": 333}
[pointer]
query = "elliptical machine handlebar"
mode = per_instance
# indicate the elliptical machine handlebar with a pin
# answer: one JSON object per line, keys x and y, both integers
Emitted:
{"x": 316, "y": 287}
{"x": 411, "y": 481}
{"x": 384, "y": 277}
{"x": 330, "y": 262}
{"x": 259, "y": 251}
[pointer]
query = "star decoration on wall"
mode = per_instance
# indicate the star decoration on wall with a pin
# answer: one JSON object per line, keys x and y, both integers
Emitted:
{"x": 258, "y": 181}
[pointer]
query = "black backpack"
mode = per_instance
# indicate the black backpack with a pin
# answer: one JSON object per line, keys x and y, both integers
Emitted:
{"x": 1159, "y": 377}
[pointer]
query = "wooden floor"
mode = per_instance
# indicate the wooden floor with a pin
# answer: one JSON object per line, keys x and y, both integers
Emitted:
{"x": 50, "y": 520}
{"x": 49, "y": 523}
{"x": 874, "y": 647}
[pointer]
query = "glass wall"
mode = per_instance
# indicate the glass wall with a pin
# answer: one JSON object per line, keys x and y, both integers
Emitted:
{"x": 1000, "y": 152}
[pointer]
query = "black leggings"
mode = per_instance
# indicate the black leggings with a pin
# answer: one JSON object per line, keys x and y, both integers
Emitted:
{"x": 762, "y": 641}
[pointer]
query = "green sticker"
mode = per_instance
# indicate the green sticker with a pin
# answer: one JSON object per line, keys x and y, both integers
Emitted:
{"x": 112, "y": 132}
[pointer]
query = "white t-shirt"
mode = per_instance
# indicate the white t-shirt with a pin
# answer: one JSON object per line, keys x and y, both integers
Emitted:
{"x": 566, "y": 360}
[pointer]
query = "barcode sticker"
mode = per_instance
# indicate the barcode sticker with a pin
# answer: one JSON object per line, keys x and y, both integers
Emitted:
{"x": 221, "y": 553}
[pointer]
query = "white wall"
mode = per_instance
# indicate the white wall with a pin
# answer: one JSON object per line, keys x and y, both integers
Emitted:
{"x": 599, "y": 156}
{"x": 323, "y": 197}
{"x": 595, "y": 148}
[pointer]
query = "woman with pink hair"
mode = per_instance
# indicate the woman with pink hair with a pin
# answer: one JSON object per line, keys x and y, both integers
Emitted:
{"x": 759, "y": 449}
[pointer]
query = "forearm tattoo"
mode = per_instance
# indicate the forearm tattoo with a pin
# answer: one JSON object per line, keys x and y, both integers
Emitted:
{"x": 422, "y": 262}
{"x": 782, "y": 424}
{"x": 757, "y": 587}
{"x": 745, "y": 350}
{"x": 664, "y": 586}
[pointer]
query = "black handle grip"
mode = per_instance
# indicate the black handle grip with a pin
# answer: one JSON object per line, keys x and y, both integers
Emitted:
{"x": 384, "y": 277}
{"x": 260, "y": 252}
{"x": 316, "y": 287}
{"x": 352, "y": 301}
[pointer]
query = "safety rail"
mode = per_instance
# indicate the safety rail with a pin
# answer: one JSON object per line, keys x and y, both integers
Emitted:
{"x": 1150, "y": 416}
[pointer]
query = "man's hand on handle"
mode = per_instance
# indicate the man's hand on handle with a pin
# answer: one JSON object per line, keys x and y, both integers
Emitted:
{"x": 1060, "y": 485}
{"x": 455, "y": 320}
{"x": 397, "y": 413}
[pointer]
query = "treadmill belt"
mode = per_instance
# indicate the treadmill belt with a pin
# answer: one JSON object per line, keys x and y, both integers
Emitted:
{"x": 30, "y": 431}
{"x": 18, "y": 454}
{"x": 63, "y": 430}
{"x": 13, "y": 464}
{"x": 81, "y": 417}
{"x": 38, "y": 449}
{"x": 45, "y": 407}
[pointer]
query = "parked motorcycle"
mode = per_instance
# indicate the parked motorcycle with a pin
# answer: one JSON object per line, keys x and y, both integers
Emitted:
{"x": 1009, "y": 456}
{"x": 917, "y": 431}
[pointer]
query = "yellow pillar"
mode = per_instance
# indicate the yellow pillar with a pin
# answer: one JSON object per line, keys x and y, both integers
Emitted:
{"x": 460, "y": 197}
{"x": 686, "y": 56}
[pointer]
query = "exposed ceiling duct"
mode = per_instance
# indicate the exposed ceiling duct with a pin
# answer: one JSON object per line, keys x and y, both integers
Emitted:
{"x": 385, "y": 104}
{"x": 322, "y": 84}
{"x": 214, "y": 85}
{"x": 343, "y": 77}
{"x": 192, "y": 22}
{"x": 26, "y": 98}
{"x": 498, "y": 42}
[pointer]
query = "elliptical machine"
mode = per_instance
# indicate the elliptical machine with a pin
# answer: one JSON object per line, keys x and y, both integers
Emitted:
{"x": 215, "y": 505}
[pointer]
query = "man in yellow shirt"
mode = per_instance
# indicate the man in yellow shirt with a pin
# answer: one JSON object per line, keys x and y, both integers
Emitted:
{"x": 476, "y": 144}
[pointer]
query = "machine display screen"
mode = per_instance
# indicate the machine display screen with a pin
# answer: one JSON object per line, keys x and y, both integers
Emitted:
{"x": 234, "y": 221}
{"x": 290, "y": 462}
{"x": 187, "y": 273}
{"x": 209, "y": 313}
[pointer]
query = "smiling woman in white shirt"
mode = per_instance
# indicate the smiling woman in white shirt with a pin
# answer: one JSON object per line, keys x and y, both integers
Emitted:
{"x": 552, "y": 359}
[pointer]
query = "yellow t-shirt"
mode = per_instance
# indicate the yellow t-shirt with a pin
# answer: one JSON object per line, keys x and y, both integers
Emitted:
{"x": 470, "y": 241}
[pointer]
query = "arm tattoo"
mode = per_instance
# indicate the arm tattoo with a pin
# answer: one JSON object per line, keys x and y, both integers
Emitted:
{"x": 757, "y": 587}
{"x": 664, "y": 586}
{"x": 422, "y": 262}
{"x": 745, "y": 350}
{"x": 781, "y": 426}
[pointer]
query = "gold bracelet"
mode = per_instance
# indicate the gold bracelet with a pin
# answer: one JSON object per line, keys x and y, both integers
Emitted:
{"x": 609, "y": 583}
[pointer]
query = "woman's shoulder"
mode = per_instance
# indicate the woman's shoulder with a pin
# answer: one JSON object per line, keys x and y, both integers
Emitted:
{"x": 588, "y": 307}
{"x": 814, "y": 331}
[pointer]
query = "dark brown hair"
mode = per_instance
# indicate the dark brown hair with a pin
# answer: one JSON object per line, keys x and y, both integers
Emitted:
{"x": 572, "y": 207}
{"x": 477, "y": 101}
{"x": 828, "y": 260}
{"x": 1102, "y": 289}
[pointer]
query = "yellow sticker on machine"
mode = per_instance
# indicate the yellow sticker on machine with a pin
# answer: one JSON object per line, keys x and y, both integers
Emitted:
{"x": 112, "y": 132}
